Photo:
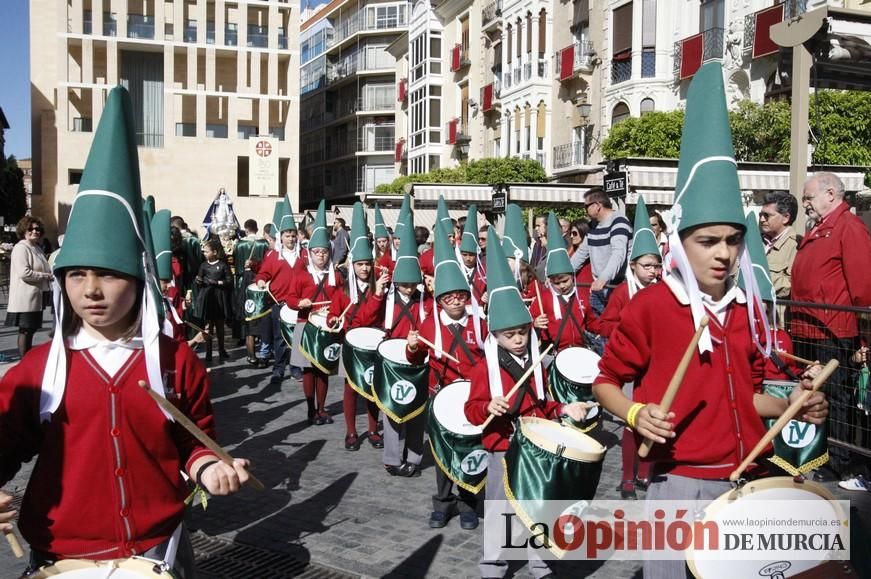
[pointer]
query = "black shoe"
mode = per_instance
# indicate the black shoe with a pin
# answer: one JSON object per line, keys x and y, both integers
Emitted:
{"x": 209, "y": 357}
{"x": 627, "y": 490}
{"x": 826, "y": 474}
{"x": 642, "y": 484}
{"x": 276, "y": 380}
{"x": 313, "y": 418}
{"x": 409, "y": 470}
{"x": 352, "y": 442}
{"x": 224, "y": 355}
{"x": 393, "y": 470}
{"x": 468, "y": 520}
{"x": 438, "y": 519}
{"x": 375, "y": 439}
{"x": 261, "y": 363}
{"x": 324, "y": 418}
{"x": 252, "y": 361}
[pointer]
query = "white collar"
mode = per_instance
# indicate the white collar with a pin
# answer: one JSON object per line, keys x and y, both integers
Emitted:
{"x": 405, "y": 299}
{"x": 520, "y": 360}
{"x": 447, "y": 320}
{"x": 83, "y": 340}
{"x": 675, "y": 284}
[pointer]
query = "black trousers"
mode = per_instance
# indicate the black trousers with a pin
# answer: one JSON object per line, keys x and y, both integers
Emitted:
{"x": 444, "y": 500}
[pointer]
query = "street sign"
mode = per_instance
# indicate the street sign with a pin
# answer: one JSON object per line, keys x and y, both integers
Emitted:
{"x": 499, "y": 200}
{"x": 616, "y": 184}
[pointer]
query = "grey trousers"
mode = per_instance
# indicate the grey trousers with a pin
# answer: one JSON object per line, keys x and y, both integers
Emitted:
{"x": 674, "y": 487}
{"x": 405, "y": 438}
{"x": 495, "y": 490}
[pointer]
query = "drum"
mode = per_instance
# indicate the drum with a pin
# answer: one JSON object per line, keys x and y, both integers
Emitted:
{"x": 456, "y": 443}
{"x": 321, "y": 345}
{"x": 287, "y": 324}
{"x": 801, "y": 446}
{"x": 740, "y": 503}
{"x": 132, "y": 568}
{"x": 571, "y": 378}
{"x": 547, "y": 461}
{"x": 401, "y": 389}
{"x": 257, "y": 302}
{"x": 359, "y": 353}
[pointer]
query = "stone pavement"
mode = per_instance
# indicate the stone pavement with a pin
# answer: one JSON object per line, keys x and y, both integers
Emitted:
{"x": 327, "y": 506}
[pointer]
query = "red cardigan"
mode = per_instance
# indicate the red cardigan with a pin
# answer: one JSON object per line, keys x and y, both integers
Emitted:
{"x": 832, "y": 266}
{"x": 611, "y": 314}
{"x": 401, "y": 326}
{"x": 716, "y": 421}
{"x": 570, "y": 336}
{"x": 498, "y": 432}
{"x": 443, "y": 371}
{"x": 366, "y": 313}
{"x": 106, "y": 483}
{"x": 304, "y": 287}
{"x": 279, "y": 274}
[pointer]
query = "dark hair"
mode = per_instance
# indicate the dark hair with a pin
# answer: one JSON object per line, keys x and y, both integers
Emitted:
{"x": 178, "y": 222}
{"x": 267, "y": 230}
{"x": 251, "y": 225}
{"x": 660, "y": 221}
{"x": 339, "y": 220}
{"x": 421, "y": 234}
{"x": 175, "y": 239}
{"x": 598, "y": 195}
{"x": 71, "y": 321}
{"x": 24, "y": 224}
{"x": 484, "y": 228}
{"x": 582, "y": 225}
{"x": 785, "y": 202}
{"x": 215, "y": 246}
{"x": 461, "y": 222}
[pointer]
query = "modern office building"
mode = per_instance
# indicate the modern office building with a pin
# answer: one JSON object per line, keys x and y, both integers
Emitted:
{"x": 206, "y": 77}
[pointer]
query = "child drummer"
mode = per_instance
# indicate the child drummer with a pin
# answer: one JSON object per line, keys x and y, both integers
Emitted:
{"x": 470, "y": 258}
{"x": 107, "y": 482}
{"x": 455, "y": 330}
{"x": 509, "y": 351}
{"x": 715, "y": 417}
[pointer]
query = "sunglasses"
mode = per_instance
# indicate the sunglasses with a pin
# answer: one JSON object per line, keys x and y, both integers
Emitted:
{"x": 482, "y": 239}
{"x": 575, "y": 234}
{"x": 36, "y": 229}
{"x": 588, "y": 205}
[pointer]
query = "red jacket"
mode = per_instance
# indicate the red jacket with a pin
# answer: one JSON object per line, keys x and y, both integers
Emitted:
{"x": 304, "y": 287}
{"x": 716, "y": 422}
{"x": 366, "y": 313}
{"x": 477, "y": 282}
{"x": 386, "y": 260}
{"x": 585, "y": 276}
{"x": 106, "y": 483}
{"x": 427, "y": 264}
{"x": 498, "y": 432}
{"x": 832, "y": 266}
{"x": 611, "y": 314}
{"x": 277, "y": 272}
{"x": 401, "y": 324}
{"x": 443, "y": 371}
{"x": 572, "y": 334}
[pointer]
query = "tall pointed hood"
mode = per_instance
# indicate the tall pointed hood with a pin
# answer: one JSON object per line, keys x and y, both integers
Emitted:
{"x": 405, "y": 216}
{"x": 162, "y": 249}
{"x": 380, "y": 230}
{"x": 756, "y": 249}
{"x": 443, "y": 217}
{"x": 286, "y": 220}
{"x": 506, "y": 307}
{"x": 514, "y": 235}
{"x": 644, "y": 241}
{"x": 448, "y": 274}
{"x": 469, "y": 243}
{"x": 558, "y": 261}
{"x": 361, "y": 247}
{"x": 320, "y": 234}
{"x": 407, "y": 268}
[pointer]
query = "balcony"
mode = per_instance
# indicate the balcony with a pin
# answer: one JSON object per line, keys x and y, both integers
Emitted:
{"x": 577, "y": 58}
{"x": 282, "y": 41}
{"x": 458, "y": 132}
{"x": 378, "y": 102}
{"x": 210, "y": 32}
{"x": 690, "y": 53}
{"x": 110, "y": 25}
{"x": 490, "y": 97}
{"x": 621, "y": 68}
{"x": 231, "y": 35}
{"x": 139, "y": 26}
{"x": 82, "y": 125}
{"x": 491, "y": 13}
{"x": 527, "y": 71}
{"x": 569, "y": 155}
{"x": 517, "y": 69}
{"x": 794, "y": 8}
{"x": 376, "y": 143}
{"x": 244, "y": 132}
{"x": 258, "y": 36}
{"x": 190, "y": 32}
{"x": 357, "y": 23}
{"x": 358, "y": 62}
{"x": 87, "y": 22}
{"x": 459, "y": 57}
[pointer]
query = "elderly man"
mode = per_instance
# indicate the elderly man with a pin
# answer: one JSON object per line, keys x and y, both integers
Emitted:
{"x": 778, "y": 213}
{"x": 832, "y": 267}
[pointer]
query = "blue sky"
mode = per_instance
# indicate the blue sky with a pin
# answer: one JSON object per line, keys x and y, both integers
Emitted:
{"x": 15, "y": 87}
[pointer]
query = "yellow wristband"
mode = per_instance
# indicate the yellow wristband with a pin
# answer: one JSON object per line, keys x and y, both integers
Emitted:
{"x": 633, "y": 414}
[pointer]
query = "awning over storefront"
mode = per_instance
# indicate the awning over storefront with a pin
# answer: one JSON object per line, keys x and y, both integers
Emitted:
{"x": 426, "y": 195}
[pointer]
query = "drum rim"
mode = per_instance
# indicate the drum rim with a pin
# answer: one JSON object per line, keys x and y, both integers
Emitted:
{"x": 436, "y": 415}
{"x": 403, "y": 362}
{"x": 360, "y": 330}
{"x": 557, "y": 368}
{"x": 79, "y": 564}
{"x": 255, "y": 287}
{"x": 763, "y": 484}
{"x": 550, "y": 446}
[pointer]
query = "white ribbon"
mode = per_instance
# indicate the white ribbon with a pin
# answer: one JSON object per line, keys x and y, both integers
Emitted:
{"x": 491, "y": 353}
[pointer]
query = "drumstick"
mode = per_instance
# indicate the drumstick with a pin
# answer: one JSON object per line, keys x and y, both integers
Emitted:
{"x": 313, "y": 304}
{"x": 520, "y": 382}
{"x": 790, "y": 413}
{"x": 797, "y": 359}
{"x": 196, "y": 327}
{"x": 14, "y": 544}
{"x": 196, "y": 432}
{"x": 676, "y": 380}
{"x": 341, "y": 317}
{"x": 538, "y": 297}
{"x": 429, "y": 344}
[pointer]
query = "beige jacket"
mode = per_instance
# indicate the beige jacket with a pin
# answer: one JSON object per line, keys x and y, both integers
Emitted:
{"x": 780, "y": 256}
{"x": 29, "y": 276}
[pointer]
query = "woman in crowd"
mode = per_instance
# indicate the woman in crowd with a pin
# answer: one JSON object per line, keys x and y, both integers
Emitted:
{"x": 29, "y": 276}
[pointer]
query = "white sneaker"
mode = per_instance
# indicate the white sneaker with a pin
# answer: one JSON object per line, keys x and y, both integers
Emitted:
{"x": 854, "y": 484}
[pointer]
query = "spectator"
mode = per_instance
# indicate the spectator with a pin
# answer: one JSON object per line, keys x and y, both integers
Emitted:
{"x": 565, "y": 226}
{"x": 832, "y": 267}
{"x": 778, "y": 213}
{"x": 29, "y": 277}
{"x": 482, "y": 239}
{"x": 657, "y": 224}
{"x": 421, "y": 235}
{"x": 340, "y": 241}
{"x": 605, "y": 247}
{"x": 577, "y": 232}
{"x": 538, "y": 251}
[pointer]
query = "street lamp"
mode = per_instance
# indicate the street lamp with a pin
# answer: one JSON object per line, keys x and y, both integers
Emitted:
{"x": 584, "y": 110}
{"x": 464, "y": 149}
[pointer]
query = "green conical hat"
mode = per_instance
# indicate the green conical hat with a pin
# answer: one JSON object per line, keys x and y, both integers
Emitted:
{"x": 448, "y": 274}
{"x": 277, "y": 214}
{"x": 160, "y": 238}
{"x": 149, "y": 208}
{"x": 286, "y": 221}
{"x": 506, "y": 307}
{"x": 469, "y": 243}
{"x": 407, "y": 267}
{"x": 558, "y": 261}
{"x": 644, "y": 241}
{"x": 753, "y": 239}
{"x": 320, "y": 234}
{"x": 514, "y": 235}
{"x": 707, "y": 189}
{"x": 109, "y": 199}
{"x": 380, "y": 226}
{"x": 443, "y": 217}
{"x": 405, "y": 215}
{"x": 361, "y": 247}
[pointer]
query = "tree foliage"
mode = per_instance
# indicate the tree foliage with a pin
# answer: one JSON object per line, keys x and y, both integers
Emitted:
{"x": 489, "y": 171}
{"x": 12, "y": 196}
{"x": 655, "y": 134}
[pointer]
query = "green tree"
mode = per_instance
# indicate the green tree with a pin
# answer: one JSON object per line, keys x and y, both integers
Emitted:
{"x": 655, "y": 134}
{"x": 489, "y": 171}
{"x": 13, "y": 203}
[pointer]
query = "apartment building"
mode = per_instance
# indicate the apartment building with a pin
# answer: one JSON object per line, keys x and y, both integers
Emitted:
{"x": 348, "y": 99}
{"x": 205, "y": 77}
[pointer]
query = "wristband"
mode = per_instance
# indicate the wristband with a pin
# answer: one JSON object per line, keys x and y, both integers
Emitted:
{"x": 633, "y": 414}
{"x": 202, "y": 469}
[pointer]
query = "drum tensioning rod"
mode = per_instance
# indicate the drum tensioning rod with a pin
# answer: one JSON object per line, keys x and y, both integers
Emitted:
{"x": 196, "y": 432}
{"x": 788, "y": 414}
{"x": 520, "y": 382}
{"x": 676, "y": 380}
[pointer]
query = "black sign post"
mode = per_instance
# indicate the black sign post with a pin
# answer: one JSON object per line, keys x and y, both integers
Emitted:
{"x": 499, "y": 199}
{"x": 616, "y": 184}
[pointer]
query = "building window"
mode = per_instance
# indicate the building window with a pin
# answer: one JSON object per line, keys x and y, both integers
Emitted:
{"x": 647, "y": 106}
{"x": 712, "y": 24}
{"x": 620, "y": 113}
{"x": 75, "y": 176}
{"x": 648, "y": 38}
{"x": 621, "y": 64}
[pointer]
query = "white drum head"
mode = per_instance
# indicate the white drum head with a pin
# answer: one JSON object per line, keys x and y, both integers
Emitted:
{"x": 393, "y": 350}
{"x": 318, "y": 319}
{"x": 253, "y": 288}
{"x": 287, "y": 315}
{"x": 578, "y": 365}
{"x": 364, "y": 338}
{"x": 448, "y": 408}
{"x": 568, "y": 437}
{"x": 133, "y": 568}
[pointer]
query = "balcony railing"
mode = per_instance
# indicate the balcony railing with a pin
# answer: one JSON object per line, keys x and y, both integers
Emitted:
{"x": 110, "y": 25}
{"x": 621, "y": 70}
{"x": 190, "y": 32}
{"x": 527, "y": 70}
{"x": 380, "y": 102}
{"x": 357, "y": 23}
{"x": 359, "y": 61}
{"x": 712, "y": 43}
{"x": 87, "y": 22}
{"x": 257, "y": 37}
{"x": 491, "y": 12}
{"x": 377, "y": 144}
{"x": 459, "y": 57}
{"x": 569, "y": 155}
{"x": 231, "y": 36}
{"x": 793, "y": 8}
{"x": 517, "y": 73}
{"x": 244, "y": 132}
{"x": 210, "y": 32}
{"x": 139, "y": 26}
{"x": 282, "y": 41}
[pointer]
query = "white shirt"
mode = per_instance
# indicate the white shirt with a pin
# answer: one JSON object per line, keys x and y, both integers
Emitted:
{"x": 111, "y": 355}
{"x": 448, "y": 320}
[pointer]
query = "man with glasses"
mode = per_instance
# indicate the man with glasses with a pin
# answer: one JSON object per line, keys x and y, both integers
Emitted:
{"x": 831, "y": 267}
{"x": 779, "y": 209}
{"x": 605, "y": 246}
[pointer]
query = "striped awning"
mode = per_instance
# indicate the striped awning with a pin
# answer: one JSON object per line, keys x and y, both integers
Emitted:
{"x": 521, "y": 193}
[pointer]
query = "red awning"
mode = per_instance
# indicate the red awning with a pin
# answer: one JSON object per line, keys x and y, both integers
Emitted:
{"x": 765, "y": 19}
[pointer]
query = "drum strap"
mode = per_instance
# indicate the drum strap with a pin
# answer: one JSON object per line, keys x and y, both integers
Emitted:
{"x": 319, "y": 289}
{"x": 515, "y": 370}
{"x": 458, "y": 340}
{"x": 569, "y": 315}
{"x": 405, "y": 311}
{"x": 475, "y": 289}
{"x": 781, "y": 365}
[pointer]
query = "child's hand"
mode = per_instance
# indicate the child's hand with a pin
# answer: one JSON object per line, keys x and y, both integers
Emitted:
{"x": 382, "y": 282}
{"x": 816, "y": 408}
{"x": 541, "y": 322}
{"x": 428, "y": 283}
{"x": 577, "y": 410}
{"x": 498, "y": 406}
{"x": 651, "y": 422}
{"x": 261, "y": 283}
{"x": 222, "y": 479}
{"x": 304, "y": 303}
{"x": 484, "y": 298}
{"x": 6, "y": 514}
{"x": 861, "y": 356}
{"x": 413, "y": 340}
